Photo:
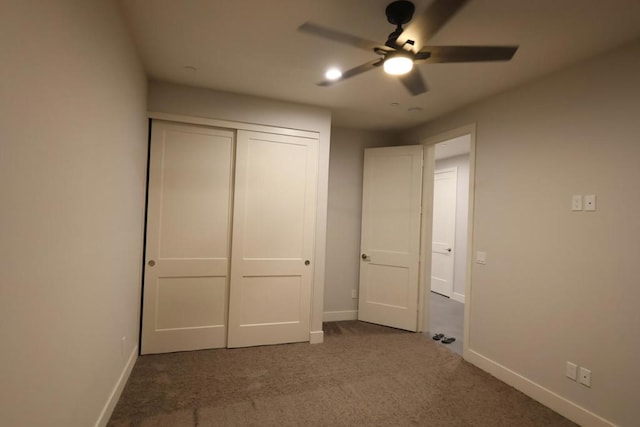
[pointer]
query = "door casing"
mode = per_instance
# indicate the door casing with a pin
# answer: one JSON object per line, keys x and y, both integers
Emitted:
{"x": 427, "y": 218}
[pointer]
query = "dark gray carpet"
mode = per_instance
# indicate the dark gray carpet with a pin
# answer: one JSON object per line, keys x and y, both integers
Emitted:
{"x": 362, "y": 374}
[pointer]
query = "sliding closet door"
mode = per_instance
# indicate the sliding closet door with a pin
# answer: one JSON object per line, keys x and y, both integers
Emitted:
{"x": 188, "y": 232}
{"x": 273, "y": 235}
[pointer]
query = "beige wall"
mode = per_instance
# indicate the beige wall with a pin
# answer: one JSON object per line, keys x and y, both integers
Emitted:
{"x": 559, "y": 285}
{"x": 197, "y": 102}
{"x": 344, "y": 217}
{"x": 73, "y": 140}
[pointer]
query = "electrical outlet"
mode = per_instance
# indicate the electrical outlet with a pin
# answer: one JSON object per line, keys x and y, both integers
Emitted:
{"x": 571, "y": 371}
{"x": 585, "y": 377}
{"x": 354, "y": 293}
{"x": 590, "y": 202}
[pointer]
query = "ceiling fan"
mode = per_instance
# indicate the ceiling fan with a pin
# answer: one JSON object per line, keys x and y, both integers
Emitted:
{"x": 406, "y": 47}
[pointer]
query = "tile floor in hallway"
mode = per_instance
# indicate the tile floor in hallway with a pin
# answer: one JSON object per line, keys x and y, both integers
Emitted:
{"x": 447, "y": 317}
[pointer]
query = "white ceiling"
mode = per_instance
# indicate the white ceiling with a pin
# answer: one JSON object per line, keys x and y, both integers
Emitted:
{"x": 252, "y": 47}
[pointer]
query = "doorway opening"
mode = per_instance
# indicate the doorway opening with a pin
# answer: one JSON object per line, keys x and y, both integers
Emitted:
{"x": 446, "y": 288}
{"x": 402, "y": 250}
{"x": 449, "y": 239}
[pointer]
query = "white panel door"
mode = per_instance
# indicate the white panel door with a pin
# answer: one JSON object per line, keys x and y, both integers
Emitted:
{"x": 188, "y": 226}
{"x": 390, "y": 245}
{"x": 273, "y": 235}
{"x": 445, "y": 186}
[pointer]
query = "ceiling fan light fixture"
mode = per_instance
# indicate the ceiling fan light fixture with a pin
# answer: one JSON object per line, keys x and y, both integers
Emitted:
{"x": 333, "y": 74}
{"x": 397, "y": 65}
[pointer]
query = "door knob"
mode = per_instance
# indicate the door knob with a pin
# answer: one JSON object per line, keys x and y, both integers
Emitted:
{"x": 448, "y": 249}
{"x": 365, "y": 256}
{"x": 151, "y": 263}
{"x": 307, "y": 262}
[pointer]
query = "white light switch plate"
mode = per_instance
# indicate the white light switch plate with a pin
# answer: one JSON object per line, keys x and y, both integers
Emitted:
{"x": 576, "y": 202}
{"x": 481, "y": 258}
{"x": 572, "y": 371}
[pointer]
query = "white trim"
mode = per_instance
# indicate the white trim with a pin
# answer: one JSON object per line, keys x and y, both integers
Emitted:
{"x": 316, "y": 337}
{"x": 320, "y": 237}
{"x": 457, "y": 296}
{"x": 426, "y": 221}
{"x": 110, "y": 405}
{"x": 561, "y": 405}
{"x": 229, "y": 124}
{"x": 336, "y": 316}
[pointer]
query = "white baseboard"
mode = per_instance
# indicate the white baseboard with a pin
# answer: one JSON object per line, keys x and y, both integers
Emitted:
{"x": 316, "y": 337}
{"x": 561, "y": 405}
{"x": 108, "y": 408}
{"x": 458, "y": 297}
{"x": 335, "y": 316}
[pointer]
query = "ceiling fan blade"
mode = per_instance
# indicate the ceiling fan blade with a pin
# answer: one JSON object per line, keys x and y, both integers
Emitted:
{"x": 338, "y": 36}
{"x": 440, "y": 54}
{"x": 414, "y": 82}
{"x": 425, "y": 26}
{"x": 354, "y": 72}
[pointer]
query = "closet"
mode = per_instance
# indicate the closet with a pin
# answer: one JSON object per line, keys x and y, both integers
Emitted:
{"x": 230, "y": 237}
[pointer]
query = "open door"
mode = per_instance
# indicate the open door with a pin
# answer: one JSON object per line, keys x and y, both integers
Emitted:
{"x": 390, "y": 241}
{"x": 444, "y": 230}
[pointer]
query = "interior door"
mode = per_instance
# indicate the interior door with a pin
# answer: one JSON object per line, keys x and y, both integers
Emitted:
{"x": 390, "y": 240}
{"x": 444, "y": 228}
{"x": 188, "y": 225}
{"x": 273, "y": 235}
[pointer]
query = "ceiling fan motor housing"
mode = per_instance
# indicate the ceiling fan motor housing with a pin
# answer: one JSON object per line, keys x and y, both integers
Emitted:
{"x": 400, "y": 12}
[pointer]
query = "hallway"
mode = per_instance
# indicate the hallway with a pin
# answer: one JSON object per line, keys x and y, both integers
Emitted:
{"x": 447, "y": 317}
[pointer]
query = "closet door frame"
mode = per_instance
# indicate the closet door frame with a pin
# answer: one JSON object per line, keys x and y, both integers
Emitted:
{"x": 317, "y": 281}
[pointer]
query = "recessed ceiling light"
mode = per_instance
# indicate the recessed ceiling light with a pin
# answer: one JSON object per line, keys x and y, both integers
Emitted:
{"x": 333, "y": 74}
{"x": 395, "y": 104}
{"x": 190, "y": 68}
{"x": 414, "y": 109}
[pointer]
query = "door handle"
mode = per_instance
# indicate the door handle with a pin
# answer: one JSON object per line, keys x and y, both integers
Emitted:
{"x": 365, "y": 257}
{"x": 151, "y": 263}
{"x": 449, "y": 250}
{"x": 307, "y": 262}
